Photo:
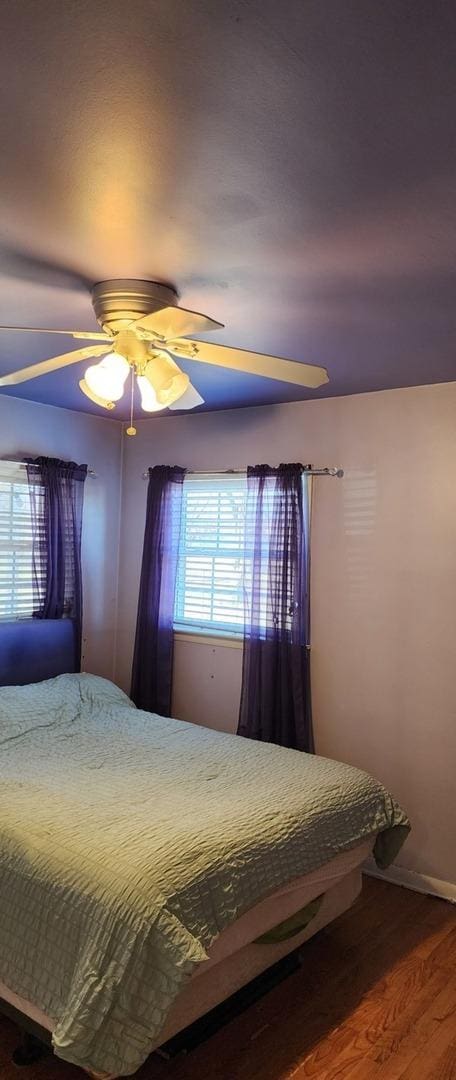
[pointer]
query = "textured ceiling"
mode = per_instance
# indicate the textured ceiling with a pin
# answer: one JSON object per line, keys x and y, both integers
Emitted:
{"x": 289, "y": 166}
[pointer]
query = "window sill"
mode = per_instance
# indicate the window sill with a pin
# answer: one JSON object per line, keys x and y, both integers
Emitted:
{"x": 209, "y": 637}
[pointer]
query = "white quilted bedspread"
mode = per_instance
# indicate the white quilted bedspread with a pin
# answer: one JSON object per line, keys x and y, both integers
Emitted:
{"x": 128, "y": 842}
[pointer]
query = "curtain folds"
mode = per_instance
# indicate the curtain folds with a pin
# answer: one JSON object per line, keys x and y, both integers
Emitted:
{"x": 56, "y": 498}
{"x": 275, "y": 697}
{"x": 153, "y": 654}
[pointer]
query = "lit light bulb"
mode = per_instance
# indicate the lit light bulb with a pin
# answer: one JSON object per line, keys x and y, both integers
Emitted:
{"x": 107, "y": 379}
{"x": 149, "y": 400}
{"x": 166, "y": 378}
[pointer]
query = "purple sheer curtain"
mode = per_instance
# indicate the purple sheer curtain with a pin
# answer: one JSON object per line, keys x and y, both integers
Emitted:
{"x": 275, "y": 697}
{"x": 153, "y": 656}
{"x": 56, "y": 500}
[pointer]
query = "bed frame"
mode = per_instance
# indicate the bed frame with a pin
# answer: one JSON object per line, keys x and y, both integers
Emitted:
{"x": 35, "y": 1041}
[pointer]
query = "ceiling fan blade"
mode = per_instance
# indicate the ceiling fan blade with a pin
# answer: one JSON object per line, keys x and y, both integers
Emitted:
{"x": 269, "y": 367}
{"x": 175, "y": 322}
{"x": 89, "y": 335}
{"x": 56, "y": 362}
{"x": 24, "y": 266}
{"x": 190, "y": 400}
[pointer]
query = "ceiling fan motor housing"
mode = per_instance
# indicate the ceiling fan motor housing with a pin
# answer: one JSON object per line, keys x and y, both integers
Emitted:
{"x": 123, "y": 300}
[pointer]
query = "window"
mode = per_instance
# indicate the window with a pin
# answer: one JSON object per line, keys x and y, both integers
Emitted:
{"x": 16, "y": 568}
{"x": 216, "y": 562}
{"x": 209, "y": 588}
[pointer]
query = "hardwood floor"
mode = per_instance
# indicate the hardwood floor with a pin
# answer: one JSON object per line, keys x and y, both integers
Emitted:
{"x": 375, "y": 999}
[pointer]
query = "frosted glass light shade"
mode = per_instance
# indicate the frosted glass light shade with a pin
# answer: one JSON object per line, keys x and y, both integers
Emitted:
{"x": 103, "y": 402}
{"x": 166, "y": 378}
{"x": 190, "y": 400}
{"x": 107, "y": 379}
{"x": 149, "y": 400}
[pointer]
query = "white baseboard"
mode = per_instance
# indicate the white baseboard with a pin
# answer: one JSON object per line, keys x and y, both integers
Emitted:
{"x": 399, "y": 875}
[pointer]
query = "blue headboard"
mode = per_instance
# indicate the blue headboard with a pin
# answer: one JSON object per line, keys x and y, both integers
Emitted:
{"x": 35, "y": 649}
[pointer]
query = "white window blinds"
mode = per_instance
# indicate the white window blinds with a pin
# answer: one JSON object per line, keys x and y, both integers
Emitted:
{"x": 220, "y": 529}
{"x": 16, "y": 568}
{"x": 209, "y": 589}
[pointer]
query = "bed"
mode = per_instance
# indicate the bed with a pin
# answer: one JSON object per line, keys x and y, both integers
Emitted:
{"x": 150, "y": 868}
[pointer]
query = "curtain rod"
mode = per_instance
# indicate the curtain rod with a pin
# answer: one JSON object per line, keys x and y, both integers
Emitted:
{"x": 330, "y": 470}
{"x": 90, "y": 472}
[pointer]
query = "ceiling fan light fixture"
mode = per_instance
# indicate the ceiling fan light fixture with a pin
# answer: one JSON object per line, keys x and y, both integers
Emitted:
{"x": 145, "y": 328}
{"x": 190, "y": 400}
{"x": 97, "y": 400}
{"x": 107, "y": 378}
{"x": 166, "y": 378}
{"x": 149, "y": 401}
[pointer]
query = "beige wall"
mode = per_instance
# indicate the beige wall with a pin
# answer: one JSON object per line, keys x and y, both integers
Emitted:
{"x": 383, "y": 586}
{"x": 29, "y": 428}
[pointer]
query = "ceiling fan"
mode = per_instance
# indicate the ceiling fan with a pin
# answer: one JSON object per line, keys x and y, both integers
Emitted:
{"x": 143, "y": 331}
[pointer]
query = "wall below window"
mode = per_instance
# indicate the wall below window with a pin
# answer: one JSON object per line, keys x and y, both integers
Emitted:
{"x": 207, "y": 681}
{"x": 29, "y": 428}
{"x": 383, "y": 586}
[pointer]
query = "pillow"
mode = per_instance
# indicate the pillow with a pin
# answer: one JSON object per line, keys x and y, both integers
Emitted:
{"x": 54, "y": 701}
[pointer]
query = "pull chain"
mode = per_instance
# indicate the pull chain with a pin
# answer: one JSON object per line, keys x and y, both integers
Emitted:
{"x": 132, "y": 430}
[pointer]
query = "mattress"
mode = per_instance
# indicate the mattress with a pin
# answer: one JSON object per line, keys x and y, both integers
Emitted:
{"x": 216, "y": 979}
{"x": 281, "y": 904}
{"x": 216, "y": 984}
